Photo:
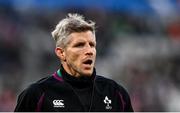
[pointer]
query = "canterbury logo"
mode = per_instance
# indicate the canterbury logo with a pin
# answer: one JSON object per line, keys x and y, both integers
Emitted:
{"x": 58, "y": 103}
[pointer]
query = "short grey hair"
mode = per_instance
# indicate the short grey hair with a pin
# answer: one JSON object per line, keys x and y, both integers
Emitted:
{"x": 72, "y": 23}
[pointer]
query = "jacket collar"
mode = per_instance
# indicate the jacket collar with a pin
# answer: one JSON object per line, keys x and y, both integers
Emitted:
{"x": 79, "y": 82}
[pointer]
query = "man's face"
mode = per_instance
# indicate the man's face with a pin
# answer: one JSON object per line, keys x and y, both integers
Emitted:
{"x": 80, "y": 54}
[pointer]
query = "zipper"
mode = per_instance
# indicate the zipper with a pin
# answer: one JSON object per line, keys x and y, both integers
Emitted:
{"x": 92, "y": 95}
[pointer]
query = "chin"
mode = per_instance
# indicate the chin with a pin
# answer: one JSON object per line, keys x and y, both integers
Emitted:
{"x": 87, "y": 73}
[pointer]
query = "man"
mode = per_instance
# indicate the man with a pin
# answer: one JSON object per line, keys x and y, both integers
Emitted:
{"x": 75, "y": 86}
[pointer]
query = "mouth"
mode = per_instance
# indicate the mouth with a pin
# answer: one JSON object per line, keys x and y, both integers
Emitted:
{"x": 88, "y": 62}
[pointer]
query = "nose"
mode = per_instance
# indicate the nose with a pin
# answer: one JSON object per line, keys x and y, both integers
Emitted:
{"x": 89, "y": 50}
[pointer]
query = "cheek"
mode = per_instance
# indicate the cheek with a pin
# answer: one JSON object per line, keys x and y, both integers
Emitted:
{"x": 94, "y": 52}
{"x": 73, "y": 57}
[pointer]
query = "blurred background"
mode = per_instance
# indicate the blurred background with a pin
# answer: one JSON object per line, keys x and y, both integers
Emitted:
{"x": 138, "y": 43}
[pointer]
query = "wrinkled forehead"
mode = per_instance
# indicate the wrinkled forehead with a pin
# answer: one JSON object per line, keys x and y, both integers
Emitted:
{"x": 82, "y": 36}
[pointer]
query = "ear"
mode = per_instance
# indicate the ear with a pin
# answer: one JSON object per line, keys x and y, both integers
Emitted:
{"x": 60, "y": 53}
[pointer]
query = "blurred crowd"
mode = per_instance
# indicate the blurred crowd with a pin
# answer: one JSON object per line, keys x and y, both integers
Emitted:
{"x": 139, "y": 51}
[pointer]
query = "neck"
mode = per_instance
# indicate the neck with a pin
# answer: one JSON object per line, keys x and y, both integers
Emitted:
{"x": 73, "y": 73}
{"x": 70, "y": 71}
{"x": 78, "y": 83}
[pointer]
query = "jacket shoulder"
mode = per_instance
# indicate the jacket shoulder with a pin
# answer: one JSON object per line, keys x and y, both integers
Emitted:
{"x": 35, "y": 88}
{"x": 28, "y": 98}
{"x": 37, "y": 85}
{"x": 104, "y": 83}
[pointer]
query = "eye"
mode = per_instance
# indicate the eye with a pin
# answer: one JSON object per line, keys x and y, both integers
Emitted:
{"x": 92, "y": 44}
{"x": 80, "y": 44}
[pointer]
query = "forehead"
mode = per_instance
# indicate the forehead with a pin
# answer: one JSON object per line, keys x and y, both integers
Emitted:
{"x": 82, "y": 36}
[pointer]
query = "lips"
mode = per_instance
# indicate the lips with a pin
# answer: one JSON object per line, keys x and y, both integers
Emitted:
{"x": 88, "y": 62}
